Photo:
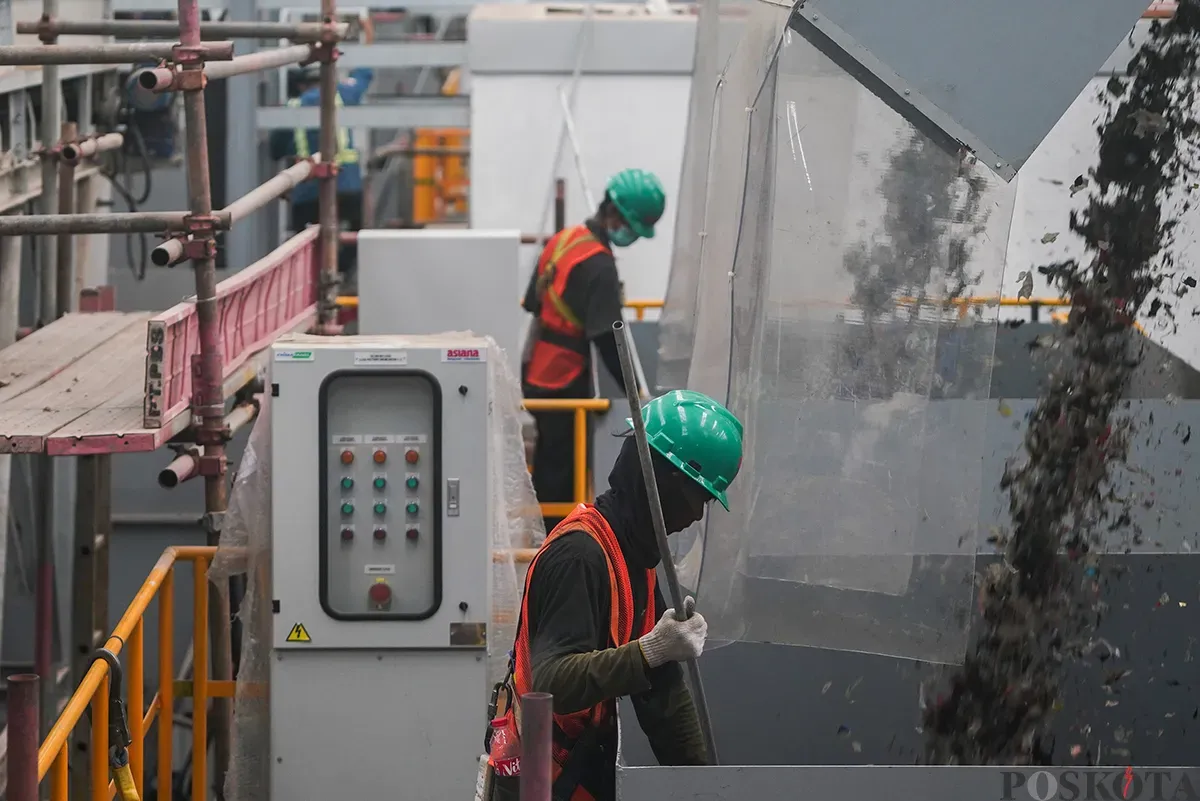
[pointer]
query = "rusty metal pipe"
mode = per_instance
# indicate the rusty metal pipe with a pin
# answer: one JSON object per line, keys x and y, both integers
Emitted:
{"x": 75, "y": 152}
{"x": 186, "y": 465}
{"x": 169, "y": 29}
{"x": 64, "y": 276}
{"x": 169, "y": 252}
{"x": 147, "y": 222}
{"x": 327, "y": 191}
{"x": 537, "y": 718}
{"x": 276, "y": 187}
{"x": 162, "y": 79}
{"x": 208, "y": 408}
{"x": 22, "y": 709}
{"x": 34, "y": 55}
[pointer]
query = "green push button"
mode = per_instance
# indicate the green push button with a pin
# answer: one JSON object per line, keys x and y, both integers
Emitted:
{"x": 347, "y": 508}
{"x": 347, "y": 483}
{"x": 412, "y": 482}
{"x": 412, "y": 508}
{"x": 380, "y": 482}
{"x": 380, "y": 508}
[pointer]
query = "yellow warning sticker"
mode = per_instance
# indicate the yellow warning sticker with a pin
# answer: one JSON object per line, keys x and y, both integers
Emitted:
{"x": 298, "y": 634}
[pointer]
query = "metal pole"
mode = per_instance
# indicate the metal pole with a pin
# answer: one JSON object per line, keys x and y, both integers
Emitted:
{"x": 243, "y": 165}
{"x": 63, "y": 278}
{"x": 172, "y": 251}
{"x": 22, "y": 709}
{"x": 162, "y": 79}
{"x": 327, "y": 174}
{"x": 91, "y": 146}
{"x": 10, "y": 298}
{"x": 208, "y": 398}
{"x": 120, "y": 223}
{"x": 186, "y": 465}
{"x": 31, "y": 55}
{"x": 537, "y": 719}
{"x": 169, "y": 29}
{"x": 660, "y": 529}
{"x": 50, "y": 124}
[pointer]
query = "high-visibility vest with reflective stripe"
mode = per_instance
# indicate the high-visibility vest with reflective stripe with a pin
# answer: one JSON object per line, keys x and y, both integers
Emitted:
{"x": 345, "y": 154}
{"x": 559, "y": 355}
{"x": 623, "y": 628}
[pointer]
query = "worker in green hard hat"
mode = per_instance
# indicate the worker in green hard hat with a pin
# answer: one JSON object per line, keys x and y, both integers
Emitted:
{"x": 574, "y": 296}
{"x": 594, "y": 626}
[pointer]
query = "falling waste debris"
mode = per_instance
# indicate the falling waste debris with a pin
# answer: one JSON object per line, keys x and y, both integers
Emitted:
{"x": 1038, "y": 610}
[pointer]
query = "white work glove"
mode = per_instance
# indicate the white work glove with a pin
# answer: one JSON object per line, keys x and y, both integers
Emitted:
{"x": 673, "y": 639}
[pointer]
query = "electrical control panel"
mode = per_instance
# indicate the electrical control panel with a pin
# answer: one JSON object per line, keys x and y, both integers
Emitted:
{"x": 381, "y": 544}
{"x": 380, "y": 501}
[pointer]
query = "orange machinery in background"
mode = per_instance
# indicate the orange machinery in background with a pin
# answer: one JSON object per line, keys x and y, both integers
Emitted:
{"x": 440, "y": 173}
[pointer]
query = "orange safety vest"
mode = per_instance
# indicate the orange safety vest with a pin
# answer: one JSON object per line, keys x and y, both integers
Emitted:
{"x": 622, "y": 630}
{"x": 560, "y": 353}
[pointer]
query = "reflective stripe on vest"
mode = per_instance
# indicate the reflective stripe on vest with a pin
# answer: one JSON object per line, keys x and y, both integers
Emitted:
{"x": 560, "y": 354}
{"x": 623, "y": 629}
{"x": 345, "y": 154}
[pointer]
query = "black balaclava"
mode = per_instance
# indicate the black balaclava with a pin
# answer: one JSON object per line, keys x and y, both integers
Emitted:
{"x": 626, "y": 508}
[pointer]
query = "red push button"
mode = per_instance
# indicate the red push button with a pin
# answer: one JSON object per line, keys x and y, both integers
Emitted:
{"x": 412, "y": 533}
{"x": 380, "y": 457}
{"x": 380, "y": 595}
{"x": 411, "y": 456}
{"x": 381, "y": 534}
{"x": 347, "y": 457}
{"x": 347, "y": 534}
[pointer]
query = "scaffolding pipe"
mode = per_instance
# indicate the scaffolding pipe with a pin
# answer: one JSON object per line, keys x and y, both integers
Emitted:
{"x": 22, "y": 718}
{"x": 327, "y": 191}
{"x": 34, "y": 55}
{"x": 162, "y": 79}
{"x": 208, "y": 395}
{"x": 64, "y": 279}
{"x": 186, "y": 465}
{"x": 143, "y": 222}
{"x": 172, "y": 251}
{"x": 76, "y": 152}
{"x": 169, "y": 29}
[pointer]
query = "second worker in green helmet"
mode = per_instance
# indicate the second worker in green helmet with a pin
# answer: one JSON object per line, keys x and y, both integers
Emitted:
{"x": 574, "y": 296}
{"x": 594, "y": 624}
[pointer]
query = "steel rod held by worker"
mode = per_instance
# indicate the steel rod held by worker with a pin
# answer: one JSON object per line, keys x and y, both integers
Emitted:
{"x": 22, "y": 756}
{"x": 109, "y": 223}
{"x": 537, "y": 721}
{"x": 32, "y": 55}
{"x": 660, "y": 529}
{"x": 169, "y": 29}
{"x": 75, "y": 152}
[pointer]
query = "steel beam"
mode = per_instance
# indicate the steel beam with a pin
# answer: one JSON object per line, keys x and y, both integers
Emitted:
{"x": 406, "y": 112}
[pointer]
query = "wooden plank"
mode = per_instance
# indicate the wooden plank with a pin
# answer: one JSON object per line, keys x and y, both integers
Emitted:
{"x": 27, "y": 419}
{"x": 48, "y": 351}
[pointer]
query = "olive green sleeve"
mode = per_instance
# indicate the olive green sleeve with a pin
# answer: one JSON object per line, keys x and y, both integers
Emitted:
{"x": 580, "y": 681}
{"x": 668, "y": 717}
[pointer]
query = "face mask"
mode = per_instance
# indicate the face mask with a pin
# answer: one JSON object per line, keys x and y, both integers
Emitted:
{"x": 623, "y": 237}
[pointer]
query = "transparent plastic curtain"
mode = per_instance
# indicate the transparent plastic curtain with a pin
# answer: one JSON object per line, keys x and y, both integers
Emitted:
{"x": 849, "y": 339}
{"x": 676, "y": 324}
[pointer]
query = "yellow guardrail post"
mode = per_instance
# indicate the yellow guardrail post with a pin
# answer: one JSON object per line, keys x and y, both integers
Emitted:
{"x": 166, "y": 684}
{"x": 199, "y": 682}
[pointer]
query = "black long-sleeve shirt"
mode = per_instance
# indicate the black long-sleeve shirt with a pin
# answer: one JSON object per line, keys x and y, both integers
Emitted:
{"x": 593, "y": 294}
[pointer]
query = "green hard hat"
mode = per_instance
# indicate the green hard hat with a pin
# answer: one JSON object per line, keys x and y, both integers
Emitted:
{"x": 640, "y": 198}
{"x": 698, "y": 435}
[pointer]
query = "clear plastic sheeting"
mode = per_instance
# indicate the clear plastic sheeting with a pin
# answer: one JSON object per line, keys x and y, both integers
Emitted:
{"x": 853, "y": 341}
{"x": 245, "y": 550}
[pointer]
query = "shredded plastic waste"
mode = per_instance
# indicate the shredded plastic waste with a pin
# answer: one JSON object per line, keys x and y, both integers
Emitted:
{"x": 1039, "y": 605}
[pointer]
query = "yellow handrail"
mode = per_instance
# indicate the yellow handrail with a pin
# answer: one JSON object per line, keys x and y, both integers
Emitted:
{"x": 583, "y": 492}
{"x": 129, "y": 633}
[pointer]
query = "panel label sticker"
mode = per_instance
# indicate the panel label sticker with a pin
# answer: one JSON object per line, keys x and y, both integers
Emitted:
{"x": 410, "y": 439}
{"x": 379, "y": 570}
{"x": 298, "y": 634}
{"x": 346, "y": 439}
{"x": 388, "y": 358}
{"x": 294, "y": 356}
{"x": 464, "y": 355}
{"x": 380, "y": 439}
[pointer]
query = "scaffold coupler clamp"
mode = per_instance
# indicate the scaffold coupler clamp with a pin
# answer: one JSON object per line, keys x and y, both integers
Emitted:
{"x": 119, "y": 738}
